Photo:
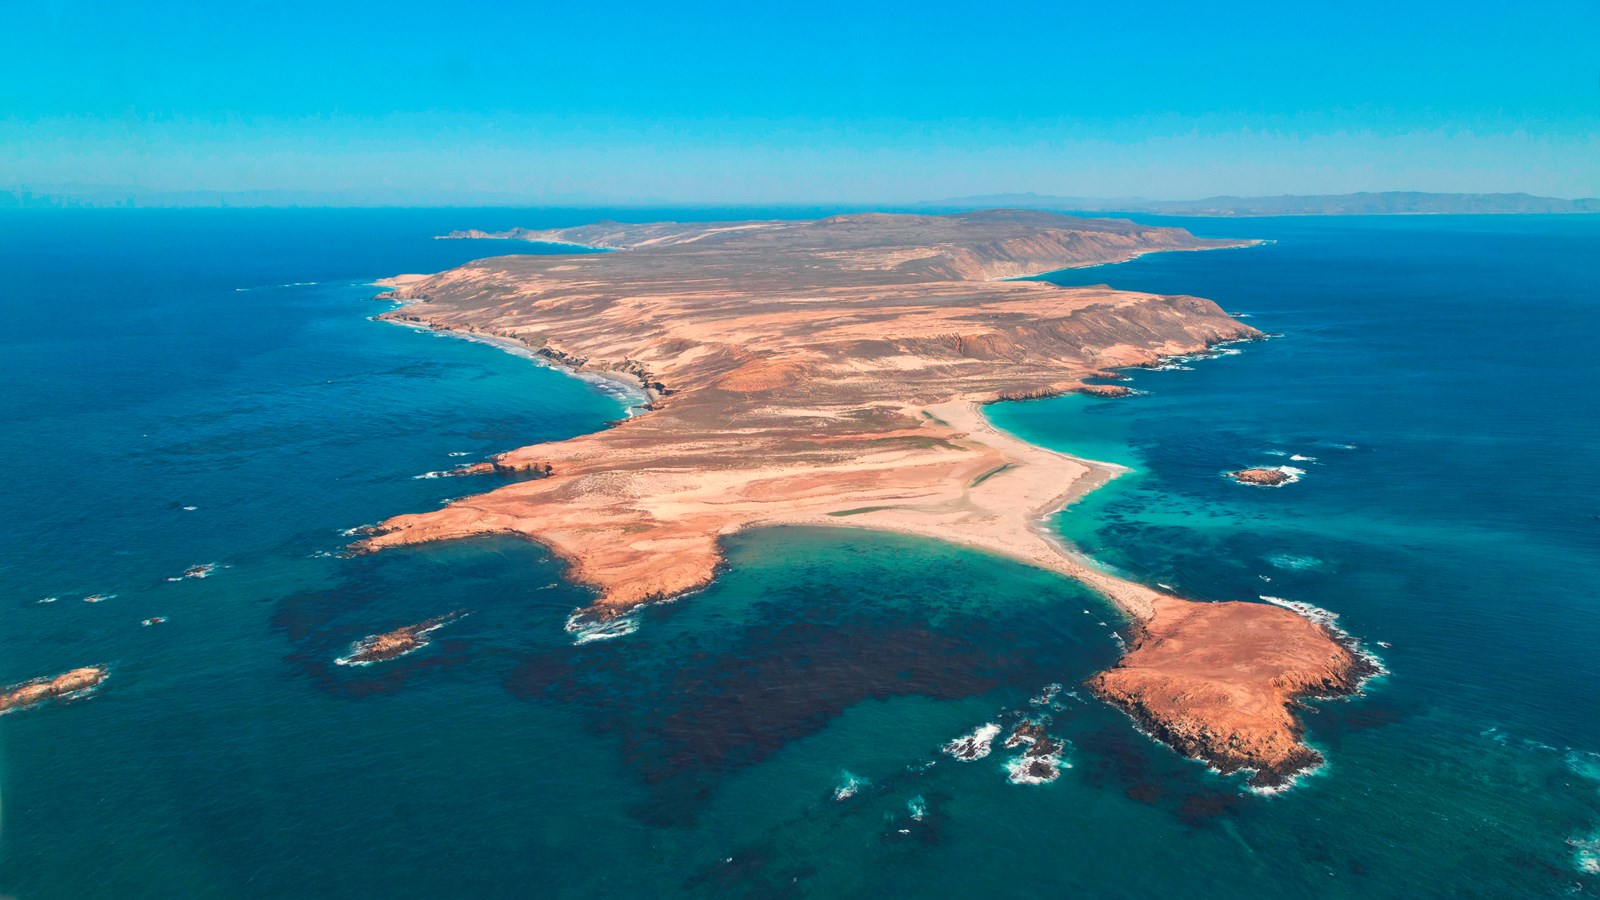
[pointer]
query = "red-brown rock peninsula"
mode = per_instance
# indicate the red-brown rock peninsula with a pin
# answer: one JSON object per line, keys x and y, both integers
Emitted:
{"x": 1217, "y": 681}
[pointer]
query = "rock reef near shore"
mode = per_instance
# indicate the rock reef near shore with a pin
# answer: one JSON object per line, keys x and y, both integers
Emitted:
{"x": 41, "y": 690}
{"x": 1109, "y": 391}
{"x": 1262, "y": 477}
{"x": 397, "y": 643}
{"x": 830, "y": 373}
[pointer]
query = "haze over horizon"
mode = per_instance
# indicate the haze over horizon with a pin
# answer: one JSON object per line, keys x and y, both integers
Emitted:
{"x": 900, "y": 103}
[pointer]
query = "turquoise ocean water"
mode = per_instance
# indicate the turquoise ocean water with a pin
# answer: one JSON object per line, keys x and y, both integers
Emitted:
{"x": 778, "y": 734}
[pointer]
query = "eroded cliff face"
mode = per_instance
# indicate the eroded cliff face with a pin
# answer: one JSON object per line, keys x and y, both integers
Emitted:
{"x": 829, "y": 373}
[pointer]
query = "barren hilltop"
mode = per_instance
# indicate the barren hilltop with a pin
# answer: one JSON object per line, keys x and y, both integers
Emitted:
{"x": 831, "y": 372}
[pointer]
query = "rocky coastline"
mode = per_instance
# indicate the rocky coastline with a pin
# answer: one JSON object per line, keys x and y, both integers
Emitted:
{"x": 832, "y": 373}
{"x": 1207, "y": 712}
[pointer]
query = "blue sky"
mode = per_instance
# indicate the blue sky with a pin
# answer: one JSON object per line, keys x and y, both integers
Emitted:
{"x": 817, "y": 102}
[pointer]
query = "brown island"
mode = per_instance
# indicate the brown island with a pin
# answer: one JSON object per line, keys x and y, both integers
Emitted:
{"x": 1262, "y": 477}
{"x": 40, "y": 690}
{"x": 397, "y": 643}
{"x": 831, "y": 373}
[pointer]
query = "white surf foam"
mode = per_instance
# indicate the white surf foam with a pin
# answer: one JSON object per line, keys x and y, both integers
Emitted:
{"x": 1584, "y": 764}
{"x": 421, "y": 638}
{"x": 585, "y": 630}
{"x": 849, "y": 786}
{"x": 203, "y": 570}
{"x": 1046, "y": 696}
{"x": 976, "y": 745}
{"x": 1293, "y": 473}
{"x": 1017, "y": 769}
{"x": 918, "y": 808}
{"x": 1586, "y": 854}
{"x": 1273, "y": 790}
{"x": 1330, "y": 621}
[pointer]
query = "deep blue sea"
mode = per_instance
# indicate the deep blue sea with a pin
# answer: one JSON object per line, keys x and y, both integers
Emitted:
{"x": 206, "y": 387}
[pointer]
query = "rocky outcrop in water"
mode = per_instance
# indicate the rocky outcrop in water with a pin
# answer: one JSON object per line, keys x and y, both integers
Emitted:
{"x": 1109, "y": 391}
{"x": 1262, "y": 477}
{"x": 42, "y": 690}
{"x": 397, "y": 643}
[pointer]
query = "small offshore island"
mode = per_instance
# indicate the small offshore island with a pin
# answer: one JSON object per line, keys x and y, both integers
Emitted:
{"x": 832, "y": 372}
{"x": 397, "y": 643}
{"x": 1263, "y": 477}
{"x": 42, "y": 690}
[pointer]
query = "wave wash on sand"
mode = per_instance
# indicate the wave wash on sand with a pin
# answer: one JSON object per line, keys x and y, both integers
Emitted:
{"x": 832, "y": 373}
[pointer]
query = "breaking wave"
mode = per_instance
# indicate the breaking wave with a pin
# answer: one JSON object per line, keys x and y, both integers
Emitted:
{"x": 1329, "y": 620}
{"x": 849, "y": 785}
{"x": 918, "y": 808}
{"x": 976, "y": 745}
{"x": 585, "y": 630}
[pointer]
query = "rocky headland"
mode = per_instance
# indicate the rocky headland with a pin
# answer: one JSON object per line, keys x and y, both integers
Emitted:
{"x": 42, "y": 690}
{"x": 831, "y": 373}
{"x": 1220, "y": 682}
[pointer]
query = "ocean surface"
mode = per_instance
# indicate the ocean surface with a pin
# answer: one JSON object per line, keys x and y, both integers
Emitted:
{"x": 206, "y": 387}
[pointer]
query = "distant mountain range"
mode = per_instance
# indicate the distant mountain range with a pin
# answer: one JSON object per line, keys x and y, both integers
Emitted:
{"x": 1386, "y": 203}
